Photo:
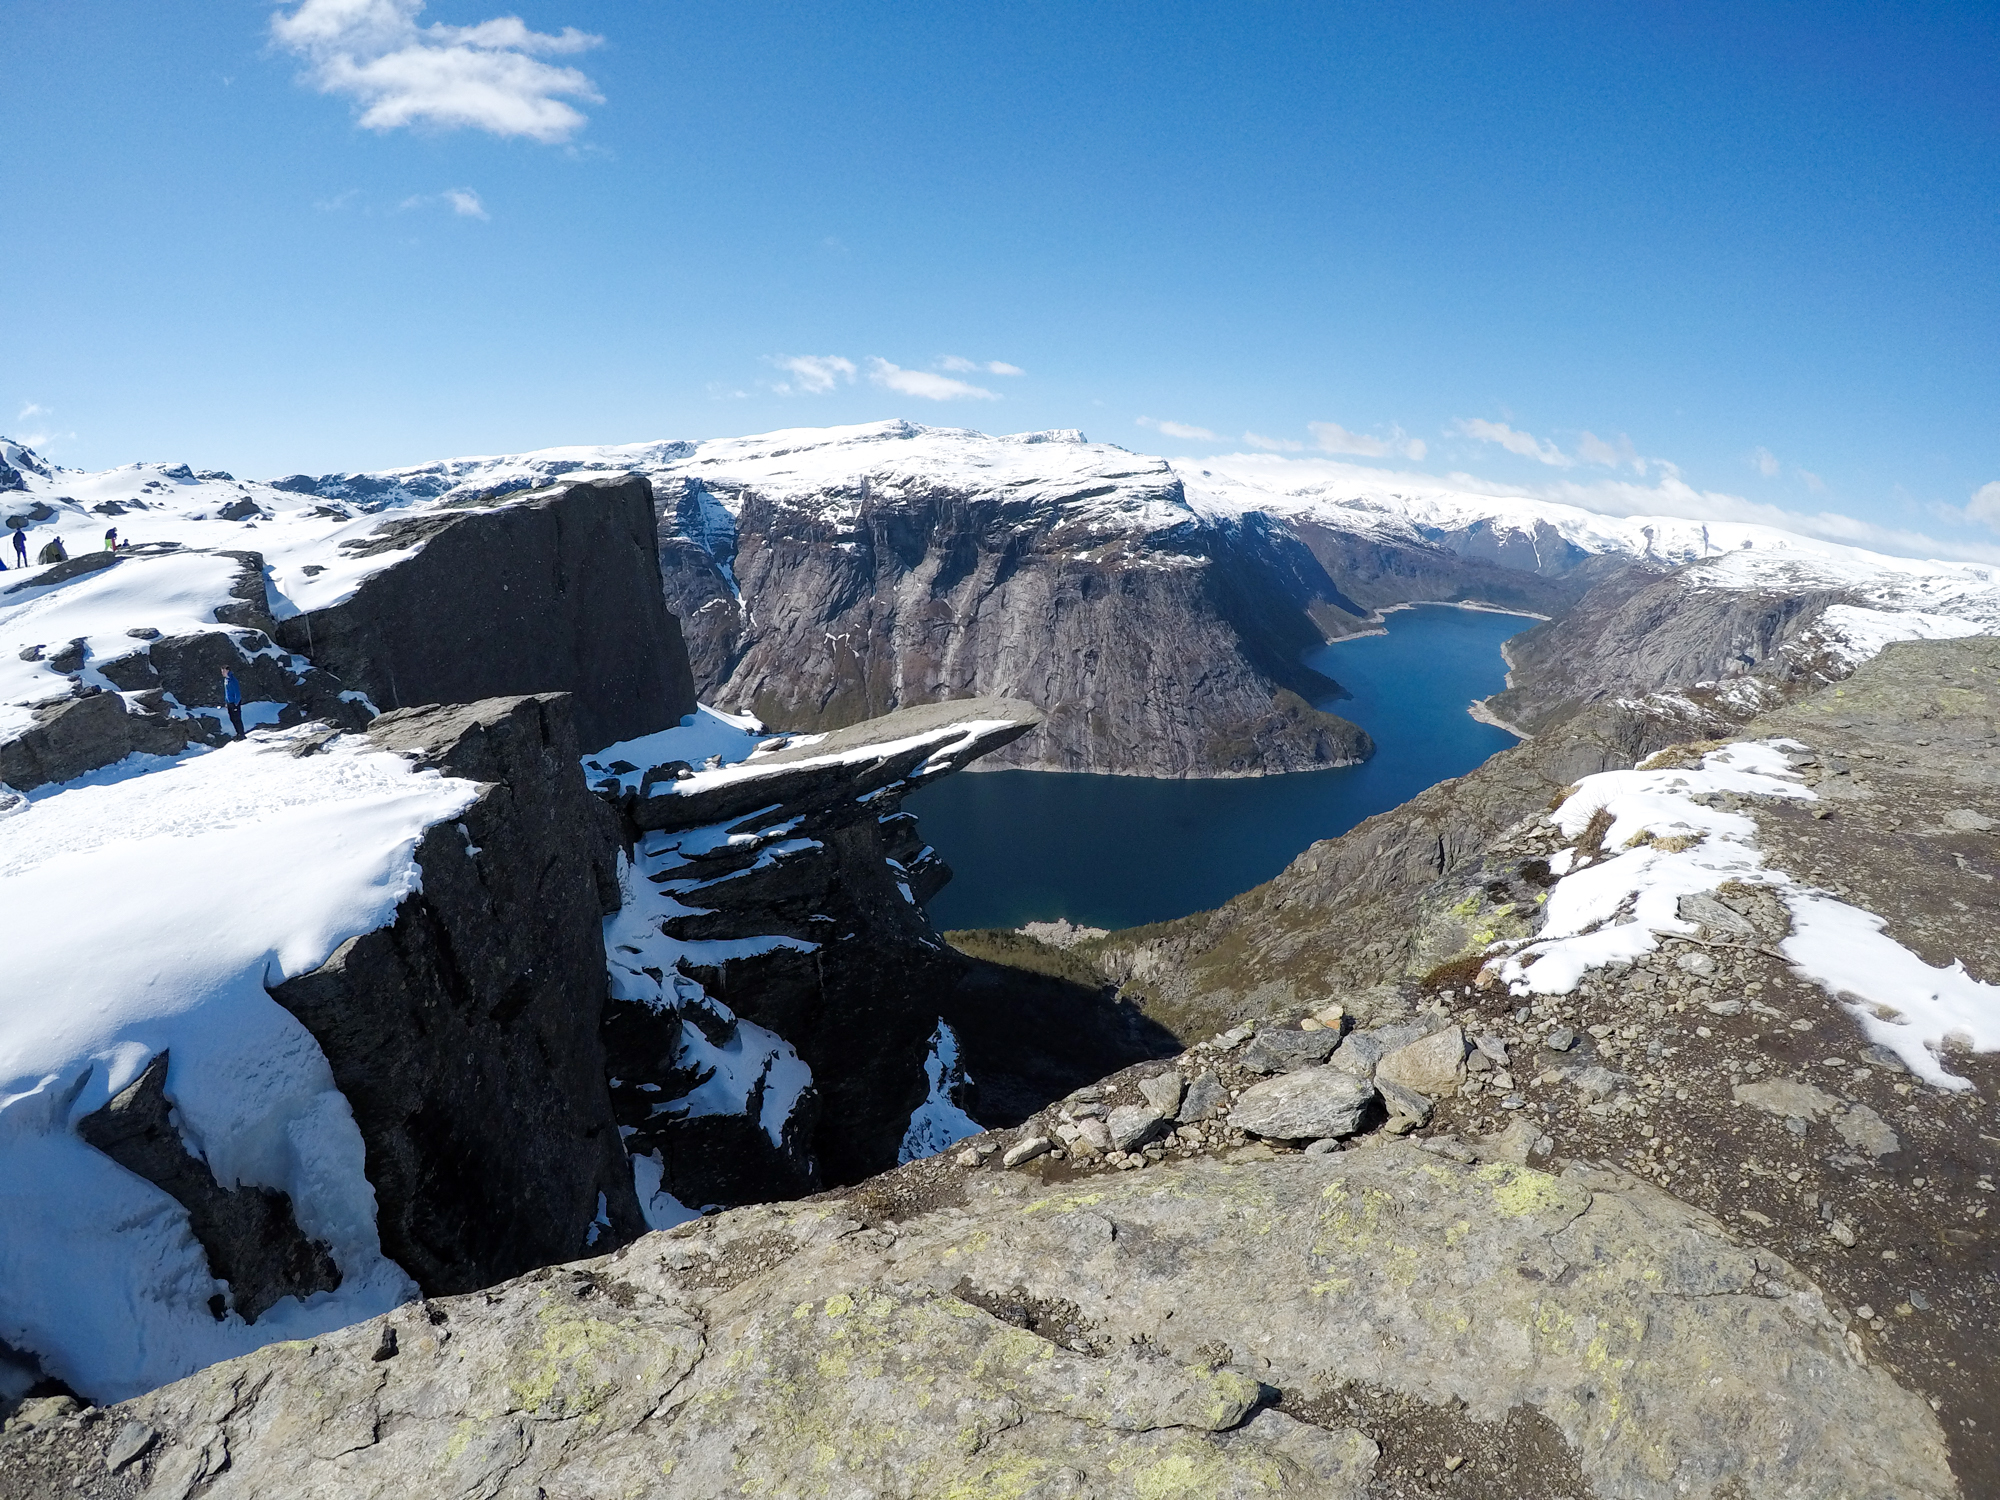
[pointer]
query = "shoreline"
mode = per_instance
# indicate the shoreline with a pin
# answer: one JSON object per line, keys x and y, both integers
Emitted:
{"x": 1478, "y": 709}
{"x": 1378, "y": 621}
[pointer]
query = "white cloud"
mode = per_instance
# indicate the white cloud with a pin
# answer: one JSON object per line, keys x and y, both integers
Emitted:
{"x": 1608, "y": 451}
{"x": 487, "y": 76}
{"x": 1765, "y": 462}
{"x": 924, "y": 383}
{"x": 812, "y": 374}
{"x": 1811, "y": 481}
{"x": 41, "y": 435}
{"x": 1273, "y": 445}
{"x": 1331, "y": 437}
{"x": 1984, "y": 506}
{"x": 1527, "y": 445}
{"x": 970, "y": 366}
{"x": 465, "y": 203}
{"x": 1182, "y": 430}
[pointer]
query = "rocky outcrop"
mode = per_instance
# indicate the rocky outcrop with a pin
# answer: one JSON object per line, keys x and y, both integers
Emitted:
{"x": 1312, "y": 1326}
{"x": 249, "y": 1234}
{"x": 73, "y": 736}
{"x": 466, "y": 1035}
{"x": 555, "y": 591}
{"x": 1168, "y": 652}
{"x": 777, "y": 987}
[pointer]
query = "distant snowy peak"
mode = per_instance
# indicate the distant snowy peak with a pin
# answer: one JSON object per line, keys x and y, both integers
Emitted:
{"x": 1055, "y": 482}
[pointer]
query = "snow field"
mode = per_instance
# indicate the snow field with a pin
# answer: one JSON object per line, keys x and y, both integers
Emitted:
{"x": 162, "y": 902}
{"x": 1662, "y": 845}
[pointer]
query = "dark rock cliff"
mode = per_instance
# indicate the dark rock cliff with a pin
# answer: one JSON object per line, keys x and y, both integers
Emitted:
{"x": 556, "y": 592}
{"x": 1642, "y": 631}
{"x": 465, "y": 1036}
{"x": 1169, "y": 653}
{"x": 793, "y": 925}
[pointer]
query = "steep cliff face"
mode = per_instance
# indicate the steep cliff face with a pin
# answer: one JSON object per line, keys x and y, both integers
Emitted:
{"x": 555, "y": 591}
{"x": 465, "y": 1034}
{"x": 783, "y": 1015}
{"x": 1166, "y": 652}
{"x": 1789, "y": 622}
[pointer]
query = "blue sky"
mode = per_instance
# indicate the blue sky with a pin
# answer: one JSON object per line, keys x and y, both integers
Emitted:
{"x": 1736, "y": 259}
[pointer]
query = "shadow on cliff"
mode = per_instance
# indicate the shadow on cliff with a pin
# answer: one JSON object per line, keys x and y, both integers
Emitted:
{"x": 1035, "y": 1022}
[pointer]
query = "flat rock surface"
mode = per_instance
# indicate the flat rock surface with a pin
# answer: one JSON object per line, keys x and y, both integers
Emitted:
{"x": 1207, "y": 1329}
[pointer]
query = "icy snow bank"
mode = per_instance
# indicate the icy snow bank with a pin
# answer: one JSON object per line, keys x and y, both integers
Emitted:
{"x": 149, "y": 913}
{"x": 1669, "y": 845}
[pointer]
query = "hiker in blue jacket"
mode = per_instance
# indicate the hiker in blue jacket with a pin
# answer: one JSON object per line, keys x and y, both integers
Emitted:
{"x": 20, "y": 547}
{"x": 232, "y": 699}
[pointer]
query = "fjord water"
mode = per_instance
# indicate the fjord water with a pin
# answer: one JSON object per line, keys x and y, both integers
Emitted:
{"x": 1115, "y": 851}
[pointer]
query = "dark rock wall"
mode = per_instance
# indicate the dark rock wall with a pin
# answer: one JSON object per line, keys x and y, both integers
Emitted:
{"x": 1173, "y": 654}
{"x": 861, "y": 1006}
{"x": 560, "y": 593}
{"x": 1642, "y": 631}
{"x": 466, "y": 1035}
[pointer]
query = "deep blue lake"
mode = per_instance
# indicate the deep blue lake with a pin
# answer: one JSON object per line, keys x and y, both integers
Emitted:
{"x": 1115, "y": 851}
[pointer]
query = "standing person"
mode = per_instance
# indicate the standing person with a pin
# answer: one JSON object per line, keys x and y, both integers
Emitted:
{"x": 111, "y": 539}
{"x": 20, "y": 547}
{"x": 232, "y": 699}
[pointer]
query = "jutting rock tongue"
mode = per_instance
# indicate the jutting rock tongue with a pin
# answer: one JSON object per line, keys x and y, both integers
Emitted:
{"x": 556, "y": 590}
{"x": 465, "y": 1035}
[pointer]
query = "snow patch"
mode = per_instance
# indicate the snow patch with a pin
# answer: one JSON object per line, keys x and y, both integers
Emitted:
{"x": 938, "y": 1124}
{"x": 1663, "y": 844}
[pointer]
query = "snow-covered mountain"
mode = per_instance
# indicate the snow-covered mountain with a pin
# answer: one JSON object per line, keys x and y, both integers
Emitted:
{"x": 824, "y": 575}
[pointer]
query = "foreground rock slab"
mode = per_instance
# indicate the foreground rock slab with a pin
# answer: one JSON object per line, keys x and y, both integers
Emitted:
{"x": 1181, "y": 1332}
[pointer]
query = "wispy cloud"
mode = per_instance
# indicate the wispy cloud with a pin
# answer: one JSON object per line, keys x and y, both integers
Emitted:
{"x": 1984, "y": 506}
{"x": 487, "y": 76}
{"x": 1526, "y": 444}
{"x": 462, "y": 201}
{"x": 812, "y": 374}
{"x": 1611, "y": 452}
{"x": 925, "y": 383}
{"x": 1765, "y": 462}
{"x": 1185, "y": 431}
{"x": 33, "y": 429}
{"x": 1331, "y": 437}
{"x": 965, "y": 366}
{"x": 1811, "y": 481}
{"x": 337, "y": 202}
{"x": 1273, "y": 445}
